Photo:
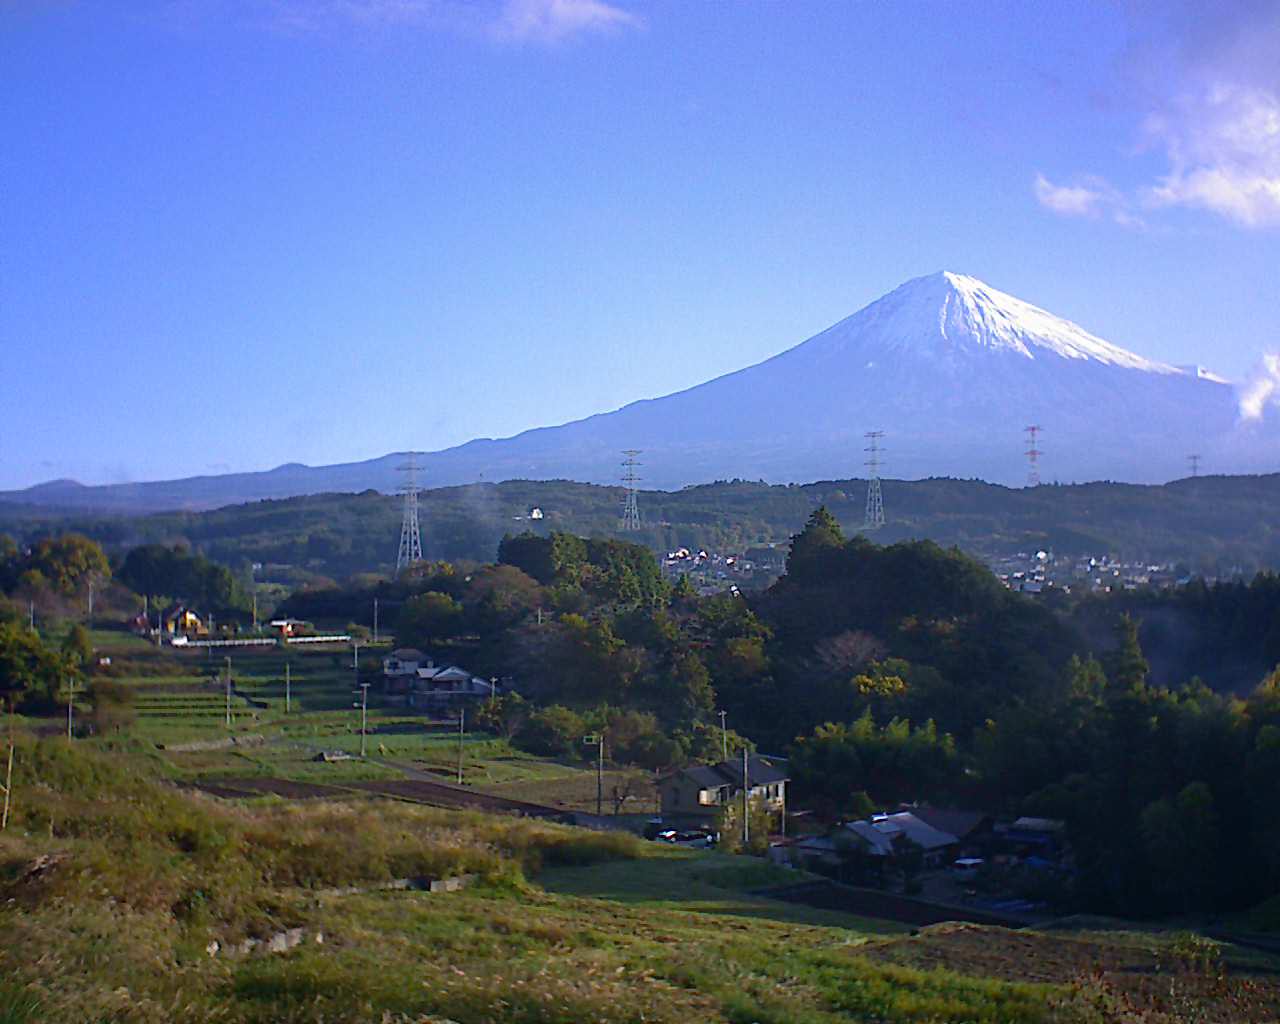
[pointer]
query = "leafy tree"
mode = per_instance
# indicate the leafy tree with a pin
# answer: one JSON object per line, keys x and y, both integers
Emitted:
{"x": 65, "y": 562}
{"x": 30, "y": 672}
{"x": 590, "y": 662}
{"x": 505, "y": 714}
{"x": 77, "y": 647}
{"x": 112, "y": 705}
{"x": 815, "y": 547}
{"x": 729, "y": 826}
{"x": 158, "y": 571}
{"x": 1127, "y": 667}
{"x": 554, "y": 731}
{"x": 1182, "y": 840}
{"x": 428, "y": 618}
{"x": 893, "y": 762}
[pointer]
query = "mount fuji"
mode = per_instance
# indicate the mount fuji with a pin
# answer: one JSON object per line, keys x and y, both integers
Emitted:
{"x": 951, "y": 369}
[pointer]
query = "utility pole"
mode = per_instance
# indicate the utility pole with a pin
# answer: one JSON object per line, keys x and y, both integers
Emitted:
{"x": 71, "y": 703}
{"x": 90, "y": 601}
{"x": 746, "y": 803}
{"x": 31, "y": 615}
{"x": 228, "y": 668}
{"x": 364, "y": 715}
{"x": 8, "y": 774}
{"x": 462, "y": 720}
{"x": 724, "y": 736}
{"x": 255, "y": 612}
{"x": 375, "y": 620}
{"x": 598, "y": 739}
{"x": 287, "y": 695}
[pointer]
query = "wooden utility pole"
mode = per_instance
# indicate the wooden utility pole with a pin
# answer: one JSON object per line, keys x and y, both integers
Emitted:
{"x": 287, "y": 700}
{"x": 746, "y": 803}
{"x": 375, "y": 620}
{"x": 364, "y": 715}
{"x": 724, "y": 736}
{"x": 8, "y": 774}
{"x": 598, "y": 739}
{"x": 71, "y": 703}
{"x": 228, "y": 669}
{"x": 462, "y": 722}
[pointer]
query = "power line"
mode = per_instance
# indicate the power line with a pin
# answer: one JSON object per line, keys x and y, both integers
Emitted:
{"x": 874, "y": 518}
{"x": 410, "y": 537}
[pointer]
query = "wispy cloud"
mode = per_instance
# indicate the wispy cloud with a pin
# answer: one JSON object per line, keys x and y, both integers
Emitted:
{"x": 1261, "y": 388}
{"x": 1224, "y": 151}
{"x": 552, "y": 21}
{"x": 519, "y": 21}
{"x": 1211, "y": 88}
{"x": 1091, "y": 197}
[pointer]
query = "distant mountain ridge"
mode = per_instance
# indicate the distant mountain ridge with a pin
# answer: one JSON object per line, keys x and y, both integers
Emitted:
{"x": 950, "y": 368}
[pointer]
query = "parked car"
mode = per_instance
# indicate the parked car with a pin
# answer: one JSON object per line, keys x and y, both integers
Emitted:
{"x": 697, "y": 840}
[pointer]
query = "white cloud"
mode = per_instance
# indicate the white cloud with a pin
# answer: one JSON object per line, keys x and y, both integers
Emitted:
{"x": 1261, "y": 388}
{"x": 1090, "y": 197}
{"x": 551, "y": 21}
{"x": 1068, "y": 200}
{"x": 1210, "y": 83}
{"x": 1224, "y": 150}
{"x": 536, "y": 21}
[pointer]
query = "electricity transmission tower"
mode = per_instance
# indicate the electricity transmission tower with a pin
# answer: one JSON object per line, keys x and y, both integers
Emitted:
{"x": 1033, "y": 454}
{"x": 1195, "y": 464}
{"x": 875, "y": 501}
{"x": 410, "y": 538}
{"x": 630, "y": 508}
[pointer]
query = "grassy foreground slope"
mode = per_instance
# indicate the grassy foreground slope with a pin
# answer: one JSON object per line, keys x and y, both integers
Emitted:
{"x": 123, "y": 899}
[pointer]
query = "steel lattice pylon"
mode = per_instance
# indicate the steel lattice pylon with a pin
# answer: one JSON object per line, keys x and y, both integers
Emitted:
{"x": 875, "y": 501}
{"x": 1033, "y": 455}
{"x": 630, "y": 507}
{"x": 410, "y": 537}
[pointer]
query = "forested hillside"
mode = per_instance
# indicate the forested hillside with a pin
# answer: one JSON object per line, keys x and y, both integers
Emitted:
{"x": 1210, "y": 525}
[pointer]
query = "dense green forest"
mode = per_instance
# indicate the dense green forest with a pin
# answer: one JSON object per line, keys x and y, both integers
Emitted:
{"x": 888, "y": 672}
{"x": 1211, "y": 525}
{"x": 896, "y": 672}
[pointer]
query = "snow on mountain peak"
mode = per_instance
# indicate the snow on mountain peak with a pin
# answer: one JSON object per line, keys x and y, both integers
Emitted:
{"x": 955, "y": 314}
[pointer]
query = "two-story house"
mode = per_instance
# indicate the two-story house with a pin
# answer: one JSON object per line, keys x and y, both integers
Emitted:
{"x": 697, "y": 793}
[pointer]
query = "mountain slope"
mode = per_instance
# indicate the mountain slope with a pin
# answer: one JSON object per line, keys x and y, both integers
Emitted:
{"x": 950, "y": 368}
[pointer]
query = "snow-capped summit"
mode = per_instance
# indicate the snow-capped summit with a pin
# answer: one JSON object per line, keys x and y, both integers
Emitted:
{"x": 951, "y": 369}
{"x": 951, "y": 315}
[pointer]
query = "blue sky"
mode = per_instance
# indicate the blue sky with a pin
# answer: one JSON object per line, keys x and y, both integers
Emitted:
{"x": 235, "y": 234}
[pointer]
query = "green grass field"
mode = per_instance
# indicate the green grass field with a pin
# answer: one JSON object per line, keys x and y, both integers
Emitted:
{"x": 180, "y": 700}
{"x": 686, "y": 881}
{"x": 119, "y": 898}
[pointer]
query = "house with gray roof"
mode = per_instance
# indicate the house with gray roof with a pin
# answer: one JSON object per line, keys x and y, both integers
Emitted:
{"x": 700, "y": 791}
